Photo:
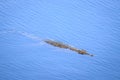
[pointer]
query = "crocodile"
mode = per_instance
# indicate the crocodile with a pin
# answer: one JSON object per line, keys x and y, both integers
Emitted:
{"x": 65, "y": 46}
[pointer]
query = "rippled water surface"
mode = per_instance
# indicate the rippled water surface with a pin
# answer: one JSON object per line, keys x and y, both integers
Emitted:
{"x": 93, "y": 25}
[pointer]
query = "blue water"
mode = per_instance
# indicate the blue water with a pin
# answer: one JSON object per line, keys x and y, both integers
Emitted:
{"x": 93, "y": 25}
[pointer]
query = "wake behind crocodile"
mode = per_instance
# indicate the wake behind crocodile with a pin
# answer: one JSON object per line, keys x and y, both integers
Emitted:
{"x": 49, "y": 41}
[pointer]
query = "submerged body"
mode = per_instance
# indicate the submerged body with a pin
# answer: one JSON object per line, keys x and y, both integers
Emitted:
{"x": 65, "y": 46}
